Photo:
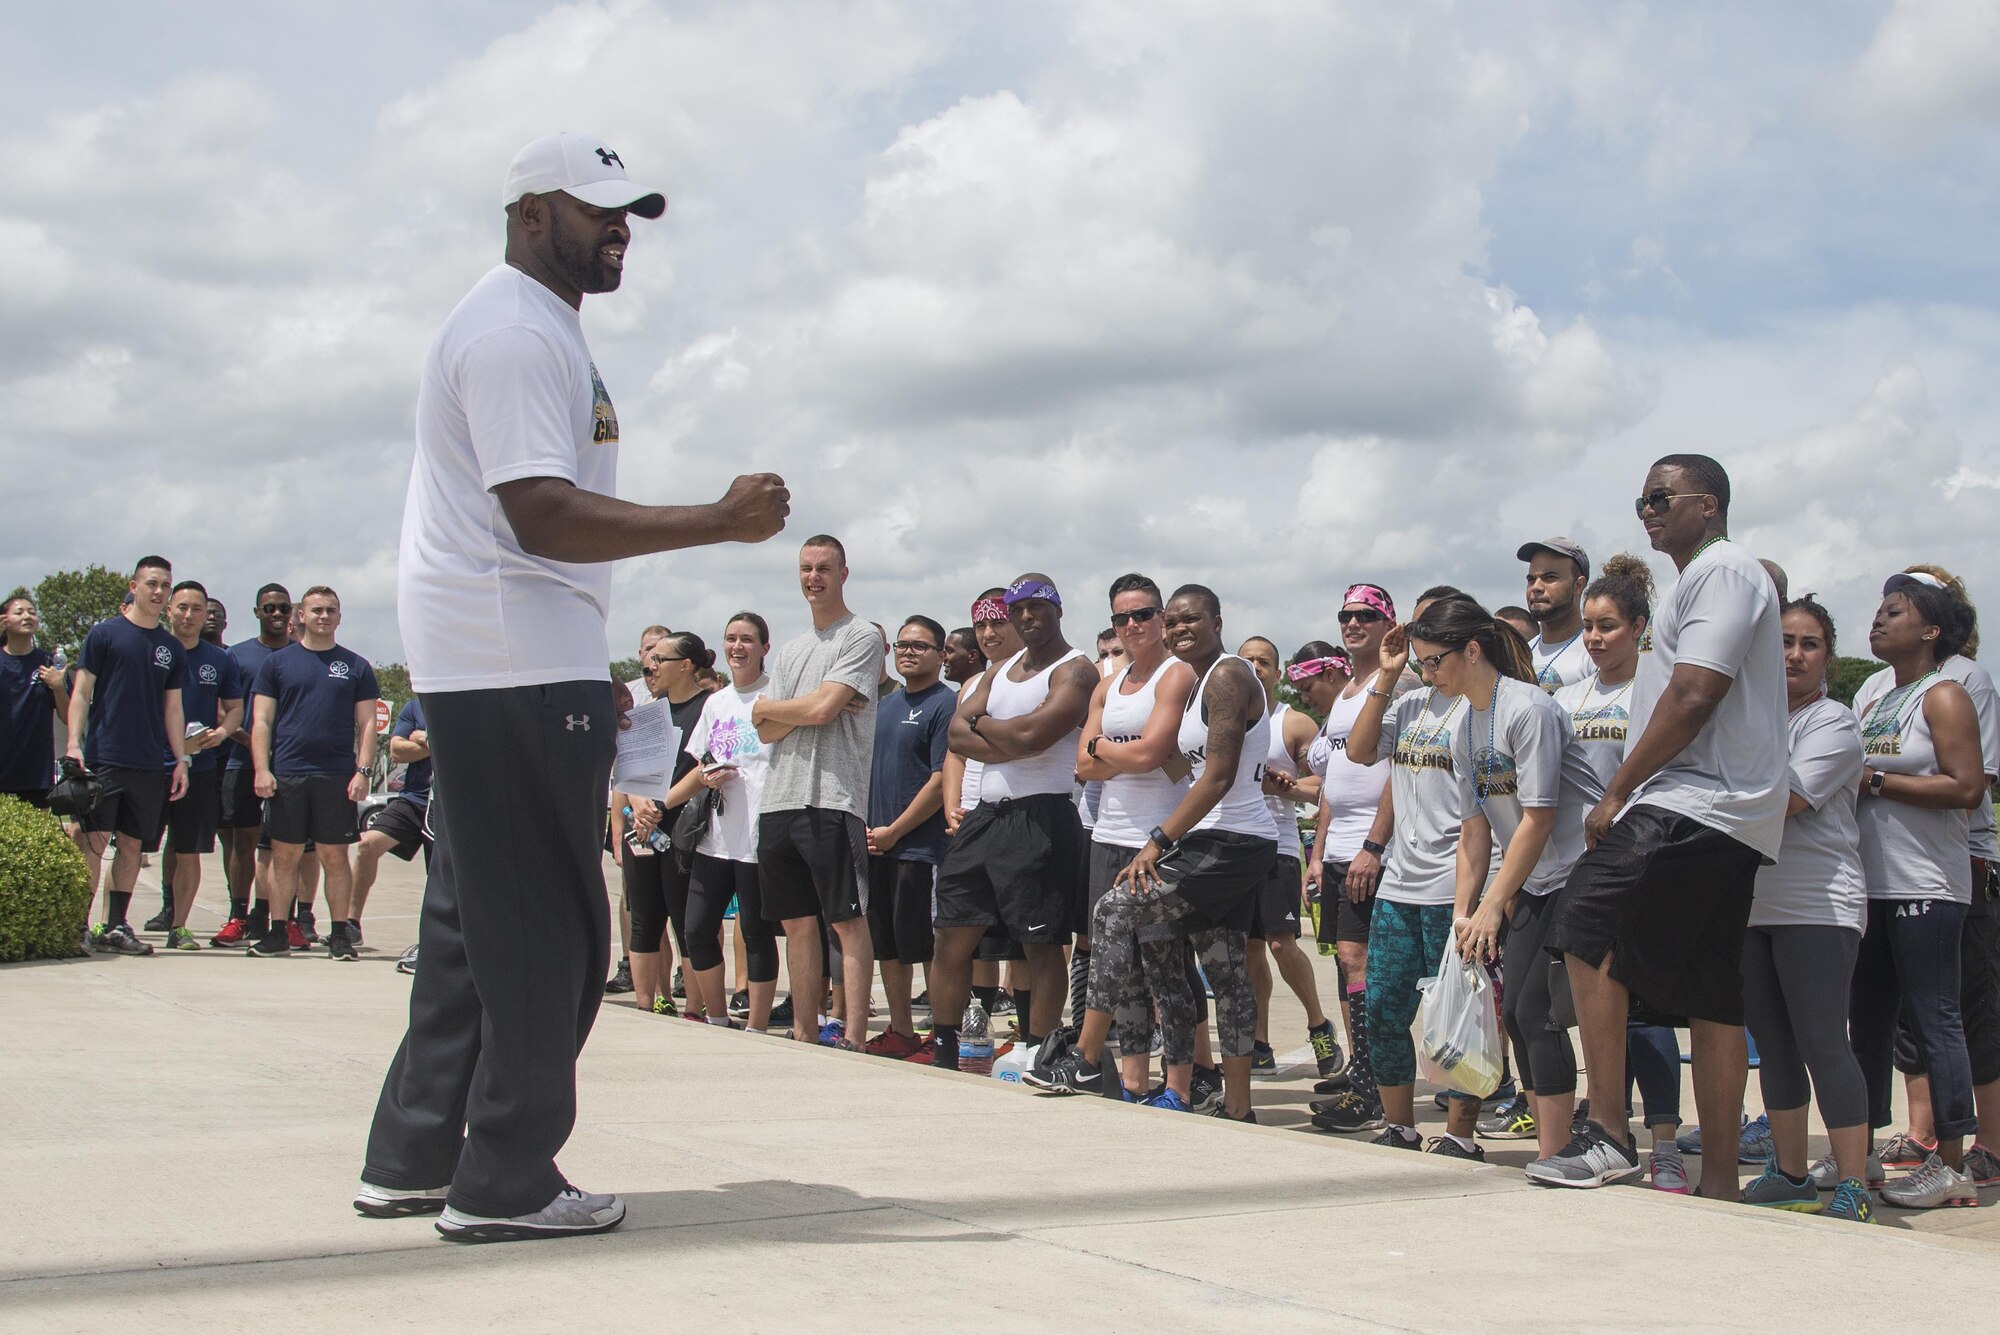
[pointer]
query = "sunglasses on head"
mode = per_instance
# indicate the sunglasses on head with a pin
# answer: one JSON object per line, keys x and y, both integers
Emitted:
{"x": 1143, "y": 614}
{"x": 274, "y": 609}
{"x": 1659, "y": 500}
{"x": 1366, "y": 616}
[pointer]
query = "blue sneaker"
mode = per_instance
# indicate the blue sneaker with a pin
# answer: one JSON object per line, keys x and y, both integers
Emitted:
{"x": 1753, "y": 1144}
{"x": 1689, "y": 1141}
{"x": 831, "y": 1033}
{"x": 1166, "y": 1098}
{"x": 1850, "y": 1202}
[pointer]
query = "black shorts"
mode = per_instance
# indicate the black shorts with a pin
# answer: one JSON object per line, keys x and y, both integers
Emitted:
{"x": 1218, "y": 875}
{"x": 402, "y": 822}
{"x": 1275, "y": 912}
{"x": 1015, "y": 863}
{"x": 812, "y": 862}
{"x": 193, "y": 821}
{"x": 312, "y": 808}
{"x": 899, "y": 909}
{"x": 134, "y": 805}
{"x": 242, "y": 809}
{"x": 1349, "y": 920}
{"x": 37, "y": 798}
{"x": 1668, "y": 899}
{"x": 1104, "y": 861}
{"x": 996, "y": 947}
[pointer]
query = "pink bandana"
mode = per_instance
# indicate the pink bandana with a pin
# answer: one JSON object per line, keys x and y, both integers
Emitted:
{"x": 1371, "y": 595}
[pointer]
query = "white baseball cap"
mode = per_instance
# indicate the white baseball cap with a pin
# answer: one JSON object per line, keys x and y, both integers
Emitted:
{"x": 582, "y": 166}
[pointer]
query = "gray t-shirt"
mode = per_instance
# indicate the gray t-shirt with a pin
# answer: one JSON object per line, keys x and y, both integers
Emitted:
{"x": 1908, "y": 851}
{"x": 1524, "y": 753}
{"x": 1722, "y": 615}
{"x": 826, "y": 768}
{"x": 1600, "y": 715}
{"x": 1423, "y": 848}
{"x": 1817, "y": 880}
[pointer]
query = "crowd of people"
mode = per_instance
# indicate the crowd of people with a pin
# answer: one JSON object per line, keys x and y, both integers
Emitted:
{"x": 1644, "y": 815}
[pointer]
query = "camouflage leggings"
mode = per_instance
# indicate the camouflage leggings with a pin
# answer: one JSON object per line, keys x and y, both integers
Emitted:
{"x": 1141, "y": 955}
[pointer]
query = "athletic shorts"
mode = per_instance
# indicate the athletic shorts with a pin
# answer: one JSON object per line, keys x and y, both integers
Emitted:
{"x": 1275, "y": 912}
{"x": 1217, "y": 874}
{"x": 1668, "y": 899}
{"x": 812, "y": 861}
{"x": 899, "y": 909}
{"x": 134, "y": 805}
{"x": 193, "y": 821}
{"x": 37, "y": 798}
{"x": 242, "y": 809}
{"x": 1978, "y": 987}
{"x": 1349, "y": 919}
{"x": 996, "y": 947}
{"x": 402, "y": 821}
{"x": 1104, "y": 862}
{"x": 1015, "y": 863}
{"x": 312, "y": 808}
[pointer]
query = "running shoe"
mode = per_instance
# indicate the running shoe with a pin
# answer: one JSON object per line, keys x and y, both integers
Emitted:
{"x": 621, "y": 979}
{"x": 235, "y": 932}
{"x": 408, "y": 963}
{"x": 739, "y": 1004}
{"x": 1666, "y": 1172}
{"x": 570, "y": 1213}
{"x": 341, "y": 948}
{"x": 1205, "y": 1089}
{"x": 1982, "y": 1165}
{"x": 1067, "y": 1074}
{"x": 832, "y": 1033}
{"x": 680, "y": 988}
{"x": 354, "y": 933}
{"x": 1825, "y": 1172}
{"x": 1337, "y": 1083}
{"x": 1448, "y": 1148}
{"x": 891, "y": 1044}
{"x": 180, "y": 938}
{"x": 120, "y": 940}
{"x": 296, "y": 938}
{"x": 394, "y": 1203}
{"x": 1850, "y": 1202}
{"x": 1934, "y": 1184}
{"x": 1003, "y": 1002}
{"x": 1395, "y": 1140}
{"x": 1263, "y": 1059}
{"x": 93, "y": 940}
{"x": 926, "y": 1054}
{"x": 1775, "y": 1191}
{"x": 665, "y": 1006}
{"x": 1167, "y": 1099}
{"x": 162, "y": 921}
{"x": 1249, "y": 1117}
{"x": 1512, "y": 1121}
{"x": 781, "y": 1014}
{"x": 272, "y": 945}
{"x": 1497, "y": 1099}
{"x": 1591, "y": 1159}
{"x": 1753, "y": 1145}
{"x": 921, "y": 1001}
{"x": 308, "y": 930}
{"x": 1348, "y": 1113}
{"x": 1905, "y": 1151}
{"x": 1326, "y": 1050}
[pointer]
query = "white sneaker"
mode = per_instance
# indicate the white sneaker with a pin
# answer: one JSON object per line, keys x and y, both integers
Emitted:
{"x": 392, "y": 1203}
{"x": 571, "y": 1212}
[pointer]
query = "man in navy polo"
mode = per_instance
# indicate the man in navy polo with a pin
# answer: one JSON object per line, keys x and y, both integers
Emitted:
{"x": 31, "y": 696}
{"x": 211, "y": 701}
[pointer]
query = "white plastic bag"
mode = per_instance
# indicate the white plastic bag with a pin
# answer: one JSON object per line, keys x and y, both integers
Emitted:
{"x": 1458, "y": 1034}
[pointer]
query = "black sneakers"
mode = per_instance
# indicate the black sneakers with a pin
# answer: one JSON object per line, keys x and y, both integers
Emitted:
{"x": 272, "y": 944}
{"x": 340, "y": 947}
{"x": 1347, "y": 1113}
{"x": 1205, "y": 1089}
{"x": 1067, "y": 1074}
{"x": 621, "y": 981}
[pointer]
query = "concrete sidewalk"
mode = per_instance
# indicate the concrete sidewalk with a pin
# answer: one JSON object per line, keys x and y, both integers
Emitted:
{"x": 184, "y": 1133}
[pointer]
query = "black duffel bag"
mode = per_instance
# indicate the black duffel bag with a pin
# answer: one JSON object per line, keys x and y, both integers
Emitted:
{"x": 76, "y": 793}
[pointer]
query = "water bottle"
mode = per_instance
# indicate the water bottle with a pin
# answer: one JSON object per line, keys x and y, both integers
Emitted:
{"x": 975, "y": 1040}
{"x": 654, "y": 843}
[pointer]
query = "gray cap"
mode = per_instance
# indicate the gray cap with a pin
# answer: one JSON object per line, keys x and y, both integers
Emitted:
{"x": 1561, "y": 547}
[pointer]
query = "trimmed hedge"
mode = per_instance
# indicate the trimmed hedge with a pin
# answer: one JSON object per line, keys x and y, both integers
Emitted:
{"x": 44, "y": 886}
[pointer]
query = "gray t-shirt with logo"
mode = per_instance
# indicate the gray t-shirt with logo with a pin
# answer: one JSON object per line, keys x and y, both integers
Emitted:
{"x": 826, "y": 767}
{"x": 1817, "y": 880}
{"x": 1423, "y": 847}
{"x": 1524, "y": 753}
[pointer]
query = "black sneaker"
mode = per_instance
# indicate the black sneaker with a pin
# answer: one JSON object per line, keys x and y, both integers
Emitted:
{"x": 1395, "y": 1139}
{"x": 781, "y": 1015}
{"x": 921, "y": 1001}
{"x": 354, "y": 933}
{"x": 307, "y": 928}
{"x": 1205, "y": 1089}
{"x": 1263, "y": 1059}
{"x": 680, "y": 988}
{"x": 1249, "y": 1117}
{"x": 161, "y": 921}
{"x": 1348, "y": 1113}
{"x": 1337, "y": 1083}
{"x": 621, "y": 981}
{"x": 1066, "y": 1075}
{"x": 340, "y": 947}
{"x": 1326, "y": 1051}
{"x": 1451, "y": 1149}
{"x": 1003, "y": 1002}
{"x": 739, "y": 1004}
{"x": 272, "y": 944}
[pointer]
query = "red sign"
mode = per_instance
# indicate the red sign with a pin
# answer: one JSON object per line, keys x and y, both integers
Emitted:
{"x": 381, "y": 716}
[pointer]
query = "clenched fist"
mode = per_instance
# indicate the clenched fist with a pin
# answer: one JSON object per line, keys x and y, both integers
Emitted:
{"x": 755, "y": 506}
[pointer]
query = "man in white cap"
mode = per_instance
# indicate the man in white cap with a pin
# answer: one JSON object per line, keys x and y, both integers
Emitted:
{"x": 502, "y": 586}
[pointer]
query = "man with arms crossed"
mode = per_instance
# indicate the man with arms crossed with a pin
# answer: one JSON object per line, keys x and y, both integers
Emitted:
{"x": 128, "y": 696}
{"x": 1658, "y": 906}
{"x": 502, "y": 589}
{"x": 31, "y": 696}
{"x": 818, "y": 718}
{"x": 242, "y": 809}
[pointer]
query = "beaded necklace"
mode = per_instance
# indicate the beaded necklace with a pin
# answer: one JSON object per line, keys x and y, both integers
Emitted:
{"x": 1720, "y": 537}
{"x": 1486, "y": 765}
{"x": 1893, "y": 703}
{"x": 1582, "y": 721}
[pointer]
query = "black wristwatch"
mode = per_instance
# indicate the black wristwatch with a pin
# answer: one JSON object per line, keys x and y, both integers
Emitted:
{"x": 1159, "y": 838}
{"x": 1090, "y": 747}
{"x": 972, "y": 724}
{"x": 1875, "y": 780}
{"x": 1370, "y": 846}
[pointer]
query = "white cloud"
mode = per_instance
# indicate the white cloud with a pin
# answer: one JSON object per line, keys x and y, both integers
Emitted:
{"x": 1932, "y": 65}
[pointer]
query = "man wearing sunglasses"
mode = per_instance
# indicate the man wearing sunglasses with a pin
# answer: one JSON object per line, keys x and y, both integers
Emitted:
{"x": 242, "y": 809}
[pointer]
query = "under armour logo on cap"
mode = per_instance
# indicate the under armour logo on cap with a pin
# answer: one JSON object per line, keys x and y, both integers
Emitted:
{"x": 607, "y": 157}
{"x": 581, "y": 167}
{"x": 576, "y": 722}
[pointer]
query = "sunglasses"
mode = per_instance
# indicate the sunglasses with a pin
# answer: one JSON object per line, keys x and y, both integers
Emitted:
{"x": 915, "y": 647}
{"x": 1430, "y": 662}
{"x": 1361, "y": 614}
{"x": 1659, "y": 499}
{"x": 275, "y": 609}
{"x": 1143, "y": 614}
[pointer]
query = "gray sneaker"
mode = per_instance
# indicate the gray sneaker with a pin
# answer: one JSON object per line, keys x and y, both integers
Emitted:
{"x": 1773, "y": 1190}
{"x": 1591, "y": 1159}
{"x": 570, "y": 1213}
{"x": 120, "y": 940}
{"x": 408, "y": 963}
{"x": 394, "y": 1203}
{"x": 1931, "y": 1186}
{"x": 1825, "y": 1172}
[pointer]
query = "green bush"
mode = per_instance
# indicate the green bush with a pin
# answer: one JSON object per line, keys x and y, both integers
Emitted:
{"x": 44, "y": 886}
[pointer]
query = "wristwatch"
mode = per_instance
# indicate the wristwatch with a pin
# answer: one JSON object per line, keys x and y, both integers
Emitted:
{"x": 1370, "y": 846}
{"x": 972, "y": 724}
{"x": 1090, "y": 747}
{"x": 1875, "y": 779}
{"x": 1159, "y": 838}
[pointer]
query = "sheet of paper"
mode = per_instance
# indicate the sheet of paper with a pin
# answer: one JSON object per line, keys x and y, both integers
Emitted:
{"x": 646, "y": 751}
{"x": 654, "y": 786}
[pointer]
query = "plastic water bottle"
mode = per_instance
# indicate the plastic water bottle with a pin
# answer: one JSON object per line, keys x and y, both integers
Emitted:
{"x": 654, "y": 843}
{"x": 975, "y": 1040}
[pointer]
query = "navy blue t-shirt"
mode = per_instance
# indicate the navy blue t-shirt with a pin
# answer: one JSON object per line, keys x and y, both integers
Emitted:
{"x": 249, "y": 656}
{"x": 316, "y": 690}
{"x": 909, "y": 748}
{"x": 212, "y": 677}
{"x": 417, "y": 774}
{"x": 27, "y": 723}
{"x": 135, "y": 668}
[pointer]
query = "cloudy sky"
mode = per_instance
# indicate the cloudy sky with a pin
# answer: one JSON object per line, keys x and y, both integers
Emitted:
{"x": 1275, "y": 296}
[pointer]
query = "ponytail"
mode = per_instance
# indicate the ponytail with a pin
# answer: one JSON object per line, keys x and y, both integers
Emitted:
{"x": 1456, "y": 622}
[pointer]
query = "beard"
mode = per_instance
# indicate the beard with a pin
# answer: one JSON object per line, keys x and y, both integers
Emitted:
{"x": 577, "y": 260}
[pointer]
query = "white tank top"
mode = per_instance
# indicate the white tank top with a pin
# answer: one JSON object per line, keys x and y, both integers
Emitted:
{"x": 1241, "y": 809}
{"x": 1908, "y": 852}
{"x": 1351, "y": 792}
{"x": 1283, "y": 810}
{"x": 1134, "y": 803}
{"x": 1053, "y": 770}
{"x": 968, "y": 787}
